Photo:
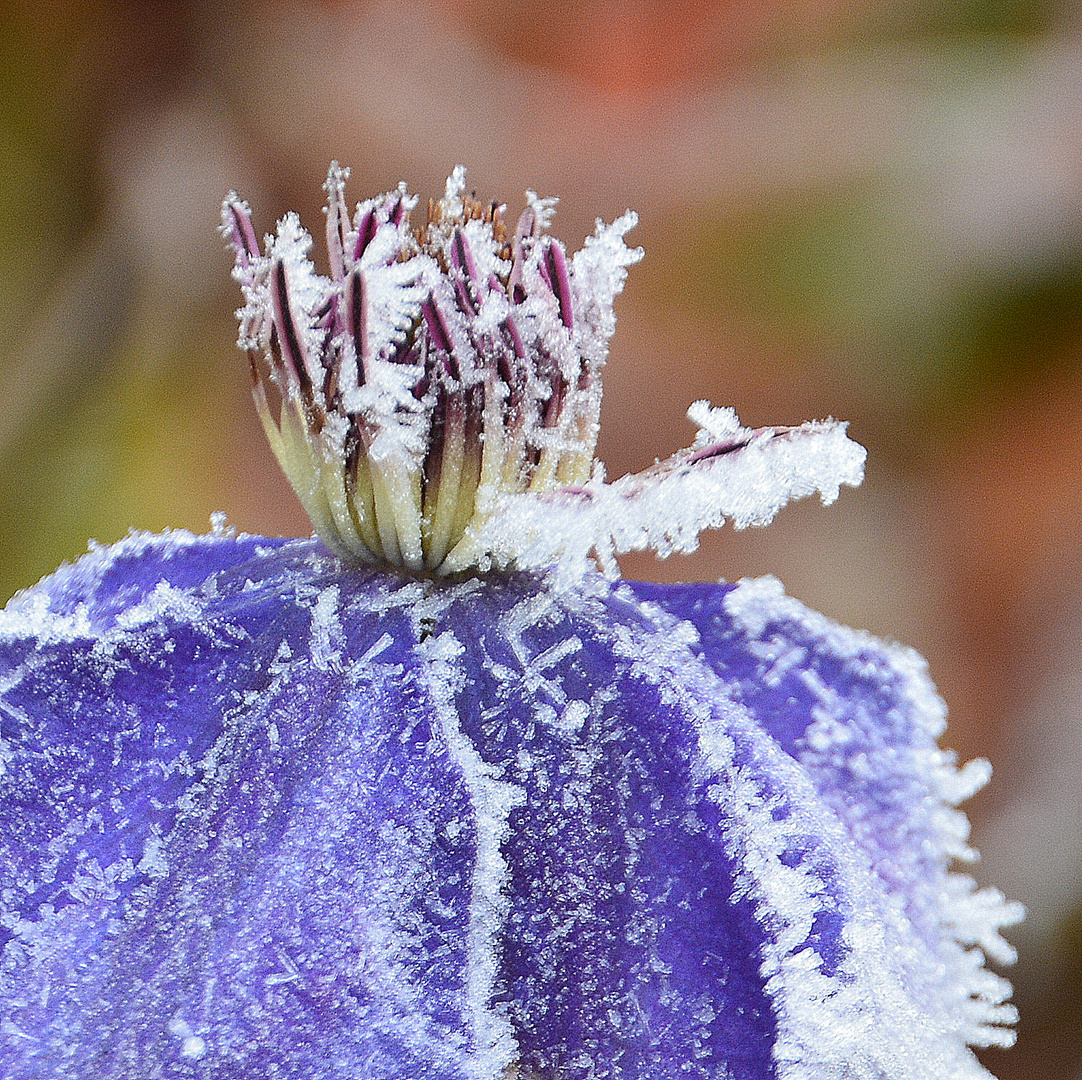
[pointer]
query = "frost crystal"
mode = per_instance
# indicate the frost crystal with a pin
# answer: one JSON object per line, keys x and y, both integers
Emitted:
{"x": 312, "y": 822}
{"x": 440, "y": 393}
{"x": 269, "y": 813}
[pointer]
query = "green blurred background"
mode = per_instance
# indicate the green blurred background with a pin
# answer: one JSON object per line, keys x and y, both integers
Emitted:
{"x": 850, "y": 207}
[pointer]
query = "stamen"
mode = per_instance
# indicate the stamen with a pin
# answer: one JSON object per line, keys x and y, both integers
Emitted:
{"x": 466, "y": 282}
{"x": 441, "y": 334}
{"x": 337, "y": 218}
{"x": 366, "y": 232}
{"x": 356, "y": 311}
{"x": 293, "y": 354}
{"x": 397, "y": 209}
{"x": 446, "y": 491}
{"x": 527, "y": 230}
{"x": 554, "y": 271}
{"x": 240, "y": 233}
{"x": 420, "y": 391}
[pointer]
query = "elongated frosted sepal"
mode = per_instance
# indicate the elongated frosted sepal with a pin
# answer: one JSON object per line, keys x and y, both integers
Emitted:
{"x": 731, "y": 474}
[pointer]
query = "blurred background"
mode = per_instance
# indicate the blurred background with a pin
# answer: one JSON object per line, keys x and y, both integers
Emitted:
{"x": 857, "y": 208}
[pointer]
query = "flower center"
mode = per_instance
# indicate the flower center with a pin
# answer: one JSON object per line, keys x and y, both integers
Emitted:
{"x": 434, "y": 373}
{"x": 438, "y": 393}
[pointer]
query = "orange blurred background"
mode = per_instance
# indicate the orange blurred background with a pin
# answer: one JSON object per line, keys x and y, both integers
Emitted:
{"x": 862, "y": 209}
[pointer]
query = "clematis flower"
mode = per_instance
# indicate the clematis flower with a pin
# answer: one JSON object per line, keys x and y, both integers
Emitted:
{"x": 431, "y": 796}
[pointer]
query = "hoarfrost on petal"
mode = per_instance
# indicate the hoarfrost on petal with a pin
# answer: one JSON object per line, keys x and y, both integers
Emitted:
{"x": 862, "y": 717}
{"x": 595, "y": 843}
{"x": 746, "y": 481}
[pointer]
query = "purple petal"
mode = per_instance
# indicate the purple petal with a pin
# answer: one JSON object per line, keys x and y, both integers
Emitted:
{"x": 262, "y": 815}
{"x": 862, "y": 717}
{"x": 206, "y": 860}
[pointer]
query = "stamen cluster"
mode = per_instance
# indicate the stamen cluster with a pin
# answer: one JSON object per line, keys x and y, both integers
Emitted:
{"x": 436, "y": 370}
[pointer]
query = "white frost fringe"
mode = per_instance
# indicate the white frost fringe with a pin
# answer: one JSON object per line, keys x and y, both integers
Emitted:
{"x": 665, "y": 508}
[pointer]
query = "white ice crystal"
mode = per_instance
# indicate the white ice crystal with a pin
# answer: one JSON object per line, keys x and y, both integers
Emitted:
{"x": 315, "y": 821}
{"x": 440, "y": 391}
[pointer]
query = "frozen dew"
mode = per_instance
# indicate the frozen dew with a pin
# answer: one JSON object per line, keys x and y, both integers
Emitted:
{"x": 191, "y": 1046}
{"x": 744, "y": 477}
{"x": 318, "y": 821}
{"x": 439, "y": 393}
{"x": 428, "y": 796}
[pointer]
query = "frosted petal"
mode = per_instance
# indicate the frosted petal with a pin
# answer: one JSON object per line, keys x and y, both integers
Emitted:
{"x": 862, "y": 717}
{"x": 746, "y": 480}
{"x": 264, "y": 815}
